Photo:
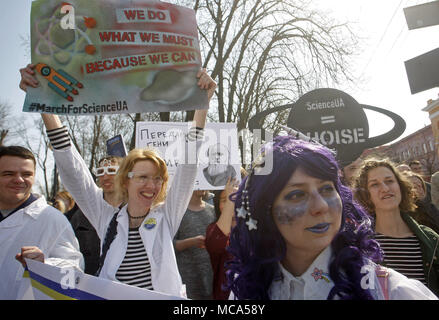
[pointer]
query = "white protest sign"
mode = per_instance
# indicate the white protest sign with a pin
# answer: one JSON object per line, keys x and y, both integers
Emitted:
{"x": 219, "y": 157}
{"x": 52, "y": 283}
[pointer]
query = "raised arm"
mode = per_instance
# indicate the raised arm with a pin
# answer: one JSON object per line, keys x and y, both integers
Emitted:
{"x": 205, "y": 82}
{"x": 183, "y": 182}
{"x": 225, "y": 220}
{"x": 73, "y": 171}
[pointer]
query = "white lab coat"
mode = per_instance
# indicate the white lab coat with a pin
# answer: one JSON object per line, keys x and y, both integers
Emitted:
{"x": 37, "y": 225}
{"x": 157, "y": 240}
{"x": 315, "y": 283}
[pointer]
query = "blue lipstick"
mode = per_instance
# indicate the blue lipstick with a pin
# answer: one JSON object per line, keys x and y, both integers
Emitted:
{"x": 319, "y": 228}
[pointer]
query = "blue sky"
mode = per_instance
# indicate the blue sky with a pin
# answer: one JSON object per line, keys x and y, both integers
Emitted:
{"x": 387, "y": 43}
{"x": 14, "y": 22}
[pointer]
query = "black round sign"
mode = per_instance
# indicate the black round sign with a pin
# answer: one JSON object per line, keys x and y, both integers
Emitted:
{"x": 335, "y": 119}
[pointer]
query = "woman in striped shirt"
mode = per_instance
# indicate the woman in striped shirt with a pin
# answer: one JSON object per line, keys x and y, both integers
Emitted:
{"x": 140, "y": 251}
{"x": 408, "y": 247}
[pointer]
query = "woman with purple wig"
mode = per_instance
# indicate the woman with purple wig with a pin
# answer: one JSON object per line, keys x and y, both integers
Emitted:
{"x": 299, "y": 235}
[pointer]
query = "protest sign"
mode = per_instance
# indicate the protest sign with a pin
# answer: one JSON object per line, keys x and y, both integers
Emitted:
{"x": 52, "y": 283}
{"x": 421, "y": 71}
{"x": 422, "y": 15}
{"x": 218, "y": 159}
{"x": 335, "y": 119}
{"x": 116, "y": 146}
{"x": 106, "y": 57}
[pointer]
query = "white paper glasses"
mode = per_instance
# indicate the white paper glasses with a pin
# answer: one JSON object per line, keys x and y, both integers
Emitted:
{"x": 111, "y": 170}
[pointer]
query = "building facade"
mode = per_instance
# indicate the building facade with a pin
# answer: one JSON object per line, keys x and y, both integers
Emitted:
{"x": 433, "y": 110}
{"x": 421, "y": 145}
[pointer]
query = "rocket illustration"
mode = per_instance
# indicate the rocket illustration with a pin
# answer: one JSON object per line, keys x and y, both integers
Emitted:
{"x": 59, "y": 80}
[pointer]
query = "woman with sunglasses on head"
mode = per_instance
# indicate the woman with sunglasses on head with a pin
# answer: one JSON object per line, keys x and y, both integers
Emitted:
{"x": 137, "y": 246}
{"x": 299, "y": 235}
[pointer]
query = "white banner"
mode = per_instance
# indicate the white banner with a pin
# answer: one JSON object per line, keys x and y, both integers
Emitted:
{"x": 52, "y": 283}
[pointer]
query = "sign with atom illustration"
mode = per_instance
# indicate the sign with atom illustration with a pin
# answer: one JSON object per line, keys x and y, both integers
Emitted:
{"x": 96, "y": 57}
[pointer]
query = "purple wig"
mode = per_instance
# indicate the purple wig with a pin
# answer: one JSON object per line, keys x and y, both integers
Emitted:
{"x": 257, "y": 253}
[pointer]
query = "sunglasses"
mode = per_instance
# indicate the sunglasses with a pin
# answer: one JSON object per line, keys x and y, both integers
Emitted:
{"x": 111, "y": 170}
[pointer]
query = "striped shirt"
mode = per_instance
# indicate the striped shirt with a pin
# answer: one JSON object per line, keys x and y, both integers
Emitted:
{"x": 403, "y": 255}
{"x": 135, "y": 269}
{"x": 59, "y": 138}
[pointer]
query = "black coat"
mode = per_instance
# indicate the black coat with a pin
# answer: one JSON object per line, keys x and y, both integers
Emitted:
{"x": 88, "y": 239}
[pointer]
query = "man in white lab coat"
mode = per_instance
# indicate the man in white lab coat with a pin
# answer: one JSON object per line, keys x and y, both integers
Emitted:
{"x": 29, "y": 227}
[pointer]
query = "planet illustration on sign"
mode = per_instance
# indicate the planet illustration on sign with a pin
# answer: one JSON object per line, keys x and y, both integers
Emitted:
{"x": 335, "y": 119}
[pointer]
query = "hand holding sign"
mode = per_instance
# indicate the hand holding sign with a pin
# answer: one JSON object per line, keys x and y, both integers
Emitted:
{"x": 101, "y": 57}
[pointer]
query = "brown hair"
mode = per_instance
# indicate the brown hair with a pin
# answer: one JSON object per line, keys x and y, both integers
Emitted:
{"x": 17, "y": 151}
{"x": 65, "y": 195}
{"x": 127, "y": 165}
{"x": 362, "y": 192}
{"x": 419, "y": 177}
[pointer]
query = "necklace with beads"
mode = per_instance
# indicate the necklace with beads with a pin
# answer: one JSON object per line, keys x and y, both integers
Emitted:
{"x": 140, "y": 217}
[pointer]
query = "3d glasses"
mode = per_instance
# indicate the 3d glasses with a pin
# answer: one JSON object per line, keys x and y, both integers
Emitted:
{"x": 111, "y": 170}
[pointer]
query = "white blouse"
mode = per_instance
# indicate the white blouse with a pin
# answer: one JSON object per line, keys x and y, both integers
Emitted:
{"x": 315, "y": 283}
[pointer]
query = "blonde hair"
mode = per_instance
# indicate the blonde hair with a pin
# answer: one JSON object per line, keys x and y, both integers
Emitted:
{"x": 134, "y": 156}
{"x": 362, "y": 193}
{"x": 66, "y": 197}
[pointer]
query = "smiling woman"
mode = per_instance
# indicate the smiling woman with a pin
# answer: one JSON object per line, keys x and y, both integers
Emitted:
{"x": 142, "y": 179}
{"x": 136, "y": 238}
{"x": 408, "y": 247}
{"x": 299, "y": 235}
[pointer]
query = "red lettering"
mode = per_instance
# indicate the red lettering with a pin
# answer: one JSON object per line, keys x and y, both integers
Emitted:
{"x": 161, "y": 15}
{"x": 151, "y": 15}
{"x": 130, "y": 14}
{"x": 140, "y": 14}
{"x": 145, "y": 36}
{"x": 116, "y": 64}
{"x": 154, "y": 59}
{"x": 105, "y": 36}
{"x": 176, "y": 57}
{"x": 99, "y": 66}
{"x": 128, "y": 36}
{"x": 133, "y": 61}
{"x": 156, "y": 15}
{"x": 106, "y": 67}
{"x": 89, "y": 68}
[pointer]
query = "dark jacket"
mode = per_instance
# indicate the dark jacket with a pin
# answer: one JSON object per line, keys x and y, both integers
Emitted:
{"x": 429, "y": 242}
{"x": 88, "y": 239}
{"x": 427, "y": 214}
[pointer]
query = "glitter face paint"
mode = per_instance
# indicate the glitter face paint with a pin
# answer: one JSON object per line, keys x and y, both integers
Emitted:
{"x": 297, "y": 203}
